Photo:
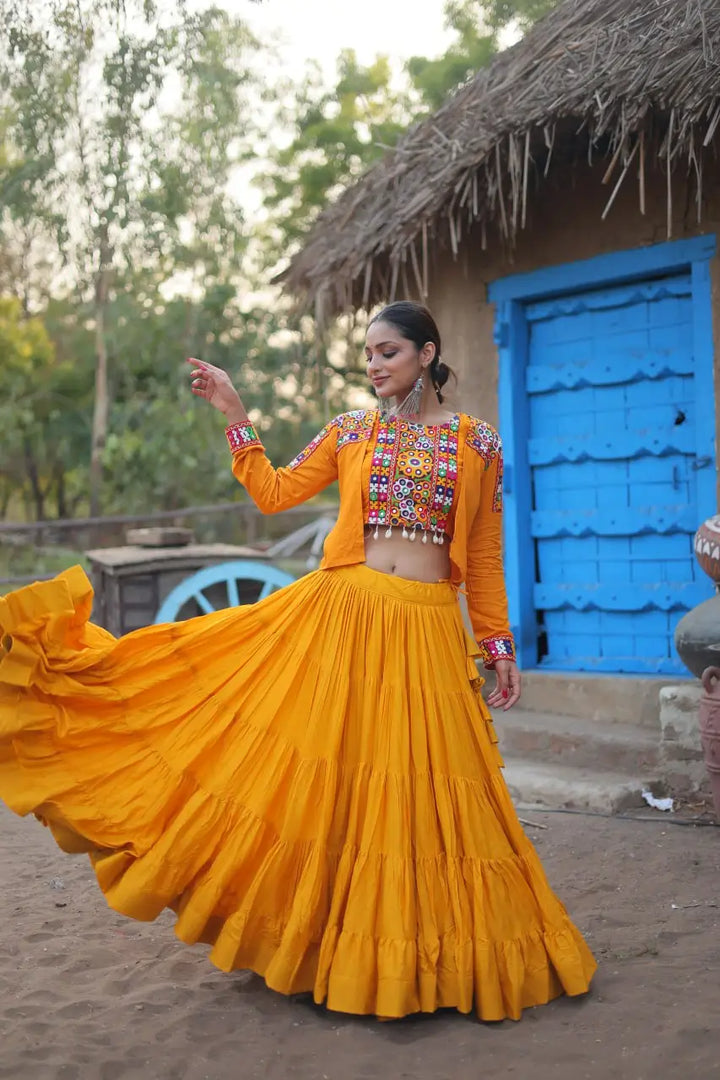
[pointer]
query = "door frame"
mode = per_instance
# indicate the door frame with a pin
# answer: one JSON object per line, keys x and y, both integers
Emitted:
{"x": 511, "y": 295}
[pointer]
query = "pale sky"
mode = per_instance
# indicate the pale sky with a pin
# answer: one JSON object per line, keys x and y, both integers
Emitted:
{"x": 319, "y": 29}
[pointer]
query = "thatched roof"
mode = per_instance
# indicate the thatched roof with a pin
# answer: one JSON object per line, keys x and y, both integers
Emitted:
{"x": 637, "y": 81}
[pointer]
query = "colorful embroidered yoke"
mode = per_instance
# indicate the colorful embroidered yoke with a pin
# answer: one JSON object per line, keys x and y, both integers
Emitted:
{"x": 409, "y": 478}
{"x": 444, "y": 480}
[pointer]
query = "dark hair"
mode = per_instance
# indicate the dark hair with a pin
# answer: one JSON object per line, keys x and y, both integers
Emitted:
{"x": 416, "y": 324}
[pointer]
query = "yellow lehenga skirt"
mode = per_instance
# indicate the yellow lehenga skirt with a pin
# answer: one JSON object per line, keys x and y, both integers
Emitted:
{"x": 311, "y": 783}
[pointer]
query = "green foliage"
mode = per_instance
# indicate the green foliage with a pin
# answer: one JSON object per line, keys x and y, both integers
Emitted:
{"x": 43, "y": 415}
{"x": 477, "y": 26}
{"x": 340, "y": 131}
{"x": 31, "y": 562}
{"x": 137, "y": 129}
{"x": 474, "y": 47}
{"x": 523, "y": 13}
{"x": 123, "y": 127}
{"x": 336, "y": 133}
{"x": 166, "y": 448}
{"x": 121, "y": 124}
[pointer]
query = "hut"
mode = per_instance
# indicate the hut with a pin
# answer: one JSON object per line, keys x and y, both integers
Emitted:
{"x": 559, "y": 215}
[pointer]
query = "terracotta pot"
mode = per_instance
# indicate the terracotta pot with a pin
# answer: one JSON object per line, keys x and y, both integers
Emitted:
{"x": 710, "y": 730}
{"x": 707, "y": 547}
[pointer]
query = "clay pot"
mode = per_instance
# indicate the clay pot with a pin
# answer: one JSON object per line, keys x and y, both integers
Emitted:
{"x": 707, "y": 547}
{"x": 697, "y": 636}
{"x": 710, "y": 730}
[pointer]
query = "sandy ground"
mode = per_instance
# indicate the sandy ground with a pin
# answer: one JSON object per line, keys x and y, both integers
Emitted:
{"x": 88, "y": 995}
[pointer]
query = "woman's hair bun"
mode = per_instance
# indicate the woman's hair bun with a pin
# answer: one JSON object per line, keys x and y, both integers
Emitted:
{"x": 440, "y": 373}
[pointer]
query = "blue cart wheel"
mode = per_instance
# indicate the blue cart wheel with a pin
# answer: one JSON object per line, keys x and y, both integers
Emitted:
{"x": 267, "y": 578}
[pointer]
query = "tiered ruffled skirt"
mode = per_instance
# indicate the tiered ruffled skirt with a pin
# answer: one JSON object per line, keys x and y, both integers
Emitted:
{"x": 311, "y": 782}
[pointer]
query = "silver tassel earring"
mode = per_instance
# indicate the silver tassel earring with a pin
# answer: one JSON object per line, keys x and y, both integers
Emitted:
{"x": 409, "y": 409}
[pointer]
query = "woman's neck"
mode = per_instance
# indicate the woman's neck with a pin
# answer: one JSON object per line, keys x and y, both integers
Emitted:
{"x": 430, "y": 411}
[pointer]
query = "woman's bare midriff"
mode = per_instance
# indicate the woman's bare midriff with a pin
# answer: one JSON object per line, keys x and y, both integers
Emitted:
{"x": 408, "y": 558}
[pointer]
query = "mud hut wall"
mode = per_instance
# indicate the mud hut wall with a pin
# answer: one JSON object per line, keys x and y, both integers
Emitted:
{"x": 564, "y": 225}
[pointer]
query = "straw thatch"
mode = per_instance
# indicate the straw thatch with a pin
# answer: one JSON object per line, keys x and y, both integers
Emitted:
{"x": 637, "y": 81}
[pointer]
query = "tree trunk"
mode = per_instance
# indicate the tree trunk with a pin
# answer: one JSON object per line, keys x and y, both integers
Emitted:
{"x": 31, "y": 469}
{"x": 6, "y": 495}
{"x": 101, "y": 405}
{"x": 60, "y": 500}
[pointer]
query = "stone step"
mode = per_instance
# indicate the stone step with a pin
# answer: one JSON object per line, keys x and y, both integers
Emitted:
{"x": 624, "y": 699}
{"x": 534, "y": 784}
{"x": 577, "y": 741}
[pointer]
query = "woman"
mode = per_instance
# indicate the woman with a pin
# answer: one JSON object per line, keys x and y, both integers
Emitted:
{"x": 312, "y": 782}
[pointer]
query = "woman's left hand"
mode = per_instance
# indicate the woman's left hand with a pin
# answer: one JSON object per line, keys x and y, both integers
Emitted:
{"x": 507, "y": 689}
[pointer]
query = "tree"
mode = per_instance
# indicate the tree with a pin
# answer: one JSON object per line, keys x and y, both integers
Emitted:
{"x": 475, "y": 44}
{"x": 42, "y": 414}
{"x": 165, "y": 448}
{"x": 479, "y": 27}
{"x": 335, "y": 133}
{"x": 339, "y": 131}
{"x": 503, "y": 13}
{"x": 122, "y": 125}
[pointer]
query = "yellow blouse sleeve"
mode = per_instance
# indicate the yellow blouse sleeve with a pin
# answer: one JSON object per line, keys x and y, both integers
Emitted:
{"x": 273, "y": 489}
{"x": 485, "y": 580}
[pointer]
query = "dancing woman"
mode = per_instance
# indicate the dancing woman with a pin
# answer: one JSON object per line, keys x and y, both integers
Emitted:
{"x": 312, "y": 783}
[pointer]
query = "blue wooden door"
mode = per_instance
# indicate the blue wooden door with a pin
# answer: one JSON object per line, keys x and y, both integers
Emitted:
{"x": 612, "y": 454}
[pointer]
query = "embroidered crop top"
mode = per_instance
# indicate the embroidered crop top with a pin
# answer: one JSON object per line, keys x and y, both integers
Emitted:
{"x": 429, "y": 482}
{"x": 409, "y": 477}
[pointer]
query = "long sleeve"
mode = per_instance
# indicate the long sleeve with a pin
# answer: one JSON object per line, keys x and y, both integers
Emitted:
{"x": 485, "y": 581}
{"x": 272, "y": 489}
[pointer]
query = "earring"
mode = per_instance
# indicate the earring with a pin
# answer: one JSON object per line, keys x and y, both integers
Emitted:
{"x": 409, "y": 409}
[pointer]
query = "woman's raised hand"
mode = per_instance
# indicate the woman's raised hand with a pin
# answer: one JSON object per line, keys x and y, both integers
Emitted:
{"x": 213, "y": 384}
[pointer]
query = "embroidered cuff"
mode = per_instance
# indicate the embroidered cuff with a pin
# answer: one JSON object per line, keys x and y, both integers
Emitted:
{"x": 501, "y": 647}
{"x": 240, "y": 436}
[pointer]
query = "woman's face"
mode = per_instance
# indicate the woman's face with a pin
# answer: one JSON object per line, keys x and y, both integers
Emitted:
{"x": 393, "y": 362}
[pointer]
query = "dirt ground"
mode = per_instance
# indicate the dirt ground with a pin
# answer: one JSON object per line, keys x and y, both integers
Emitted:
{"x": 88, "y": 995}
